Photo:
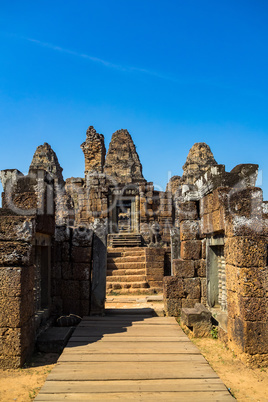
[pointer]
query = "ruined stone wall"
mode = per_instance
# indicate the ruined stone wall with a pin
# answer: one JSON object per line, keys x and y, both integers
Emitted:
{"x": 187, "y": 286}
{"x": 71, "y": 270}
{"x": 240, "y": 214}
{"x": 17, "y": 270}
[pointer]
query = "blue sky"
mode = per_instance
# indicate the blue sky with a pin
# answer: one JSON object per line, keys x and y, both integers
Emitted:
{"x": 172, "y": 72}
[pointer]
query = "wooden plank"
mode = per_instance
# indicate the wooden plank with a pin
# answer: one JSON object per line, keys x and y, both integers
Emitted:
{"x": 137, "y": 357}
{"x": 137, "y": 321}
{"x": 111, "y": 358}
{"x": 146, "y": 330}
{"x": 130, "y": 371}
{"x": 140, "y": 396}
{"x": 173, "y": 385}
{"x": 131, "y": 347}
{"x": 127, "y": 338}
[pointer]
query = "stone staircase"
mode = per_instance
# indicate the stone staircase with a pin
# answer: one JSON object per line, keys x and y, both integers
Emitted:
{"x": 126, "y": 273}
{"x": 125, "y": 240}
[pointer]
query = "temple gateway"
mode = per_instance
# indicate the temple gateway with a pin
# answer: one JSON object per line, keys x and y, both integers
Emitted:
{"x": 65, "y": 245}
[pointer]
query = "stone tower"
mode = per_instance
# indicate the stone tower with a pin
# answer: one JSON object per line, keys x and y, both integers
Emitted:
{"x": 199, "y": 160}
{"x": 122, "y": 161}
{"x": 94, "y": 151}
{"x": 45, "y": 159}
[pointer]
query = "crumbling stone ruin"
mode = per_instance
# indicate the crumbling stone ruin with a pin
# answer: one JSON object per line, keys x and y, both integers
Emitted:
{"x": 64, "y": 245}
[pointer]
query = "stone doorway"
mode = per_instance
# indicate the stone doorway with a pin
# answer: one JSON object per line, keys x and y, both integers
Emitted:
{"x": 124, "y": 216}
{"x": 123, "y": 213}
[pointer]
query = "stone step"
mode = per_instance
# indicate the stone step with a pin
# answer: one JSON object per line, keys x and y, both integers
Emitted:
{"x": 112, "y": 272}
{"x": 130, "y": 258}
{"x": 132, "y": 292}
{"x": 126, "y": 278}
{"x": 126, "y": 265}
{"x": 126, "y": 250}
{"x": 126, "y": 285}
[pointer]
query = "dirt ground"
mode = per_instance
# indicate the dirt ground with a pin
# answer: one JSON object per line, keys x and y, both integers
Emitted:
{"x": 245, "y": 384}
{"x": 22, "y": 385}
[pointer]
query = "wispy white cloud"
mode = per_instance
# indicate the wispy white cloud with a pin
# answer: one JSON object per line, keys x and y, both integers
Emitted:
{"x": 105, "y": 63}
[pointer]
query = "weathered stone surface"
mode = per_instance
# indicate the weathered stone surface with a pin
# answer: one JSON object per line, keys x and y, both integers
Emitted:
{"x": 17, "y": 228}
{"x": 15, "y": 311}
{"x": 46, "y": 159}
{"x": 15, "y": 253}
{"x": 252, "y": 282}
{"x": 82, "y": 236}
{"x": 253, "y": 308}
{"x": 199, "y": 159}
{"x": 189, "y": 230}
{"x": 200, "y": 268}
{"x": 183, "y": 269}
{"x": 191, "y": 249}
{"x": 173, "y": 184}
{"x": 198, "y": 319}
{"x": 246, "y": 251}
{"x": 94, "y": 151}
{"x": 16, "y": 281}
{"x": 81, "y": 254}
{"x": 248, "y": 337}
{"x": 81, "y": 271}
{"x": 189, "y": 302}
{"x": 173, "y": 287}
{"x": 246, "y": 202}
{"x": 187, "y": 211}
{"x": 172, "y": 307}
{"x": 192, "y": 288}
{"x": 17, "y": 342}
{"x": 122, "y": 161}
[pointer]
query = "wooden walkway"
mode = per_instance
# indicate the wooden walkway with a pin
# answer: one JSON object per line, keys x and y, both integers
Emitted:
{"x": 132, "y": 358}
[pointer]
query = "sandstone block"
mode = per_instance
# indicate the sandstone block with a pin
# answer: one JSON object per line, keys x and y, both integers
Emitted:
{"x": 249, "y": 337}
{"x": 252, "y": 282}
{"x": 187, "y": 210}
{"x": 172, "y": 307}
{"x": 206, "y": 224}
{"x": 56, "y": 270}
{"x": 15, "y": 253}
{"x": 17, "y": 228}
{"x": 189, "y": 303}
{"x": 191, "y": 250}
{"x": 232, "y": 304}
{"x": 15, "y": 311}
{"x": 66, "y": 270}
{"x": 200, "y": 268}
{"x": 173, "y": 288}
{"x": 246, "y": 202}
{"x": 70, "y": 290}
{"x": 253, "y": 308}
{"x": 243, "y": 226}
{"x": 81, "y": 254}
{"x": 65, "y": 251}
{"x": 183, "y": 269}
{"x": 16, "y": 281}
{"x": 246, "y": 252}
{"x": 192, "y": 288}
{"x": 189, "y": 230}
{"x": 81, "y": 271}
{"x": 232, "y": 275}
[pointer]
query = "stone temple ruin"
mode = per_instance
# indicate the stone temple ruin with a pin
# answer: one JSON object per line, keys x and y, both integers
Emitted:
{"x": 64, "y": 245}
